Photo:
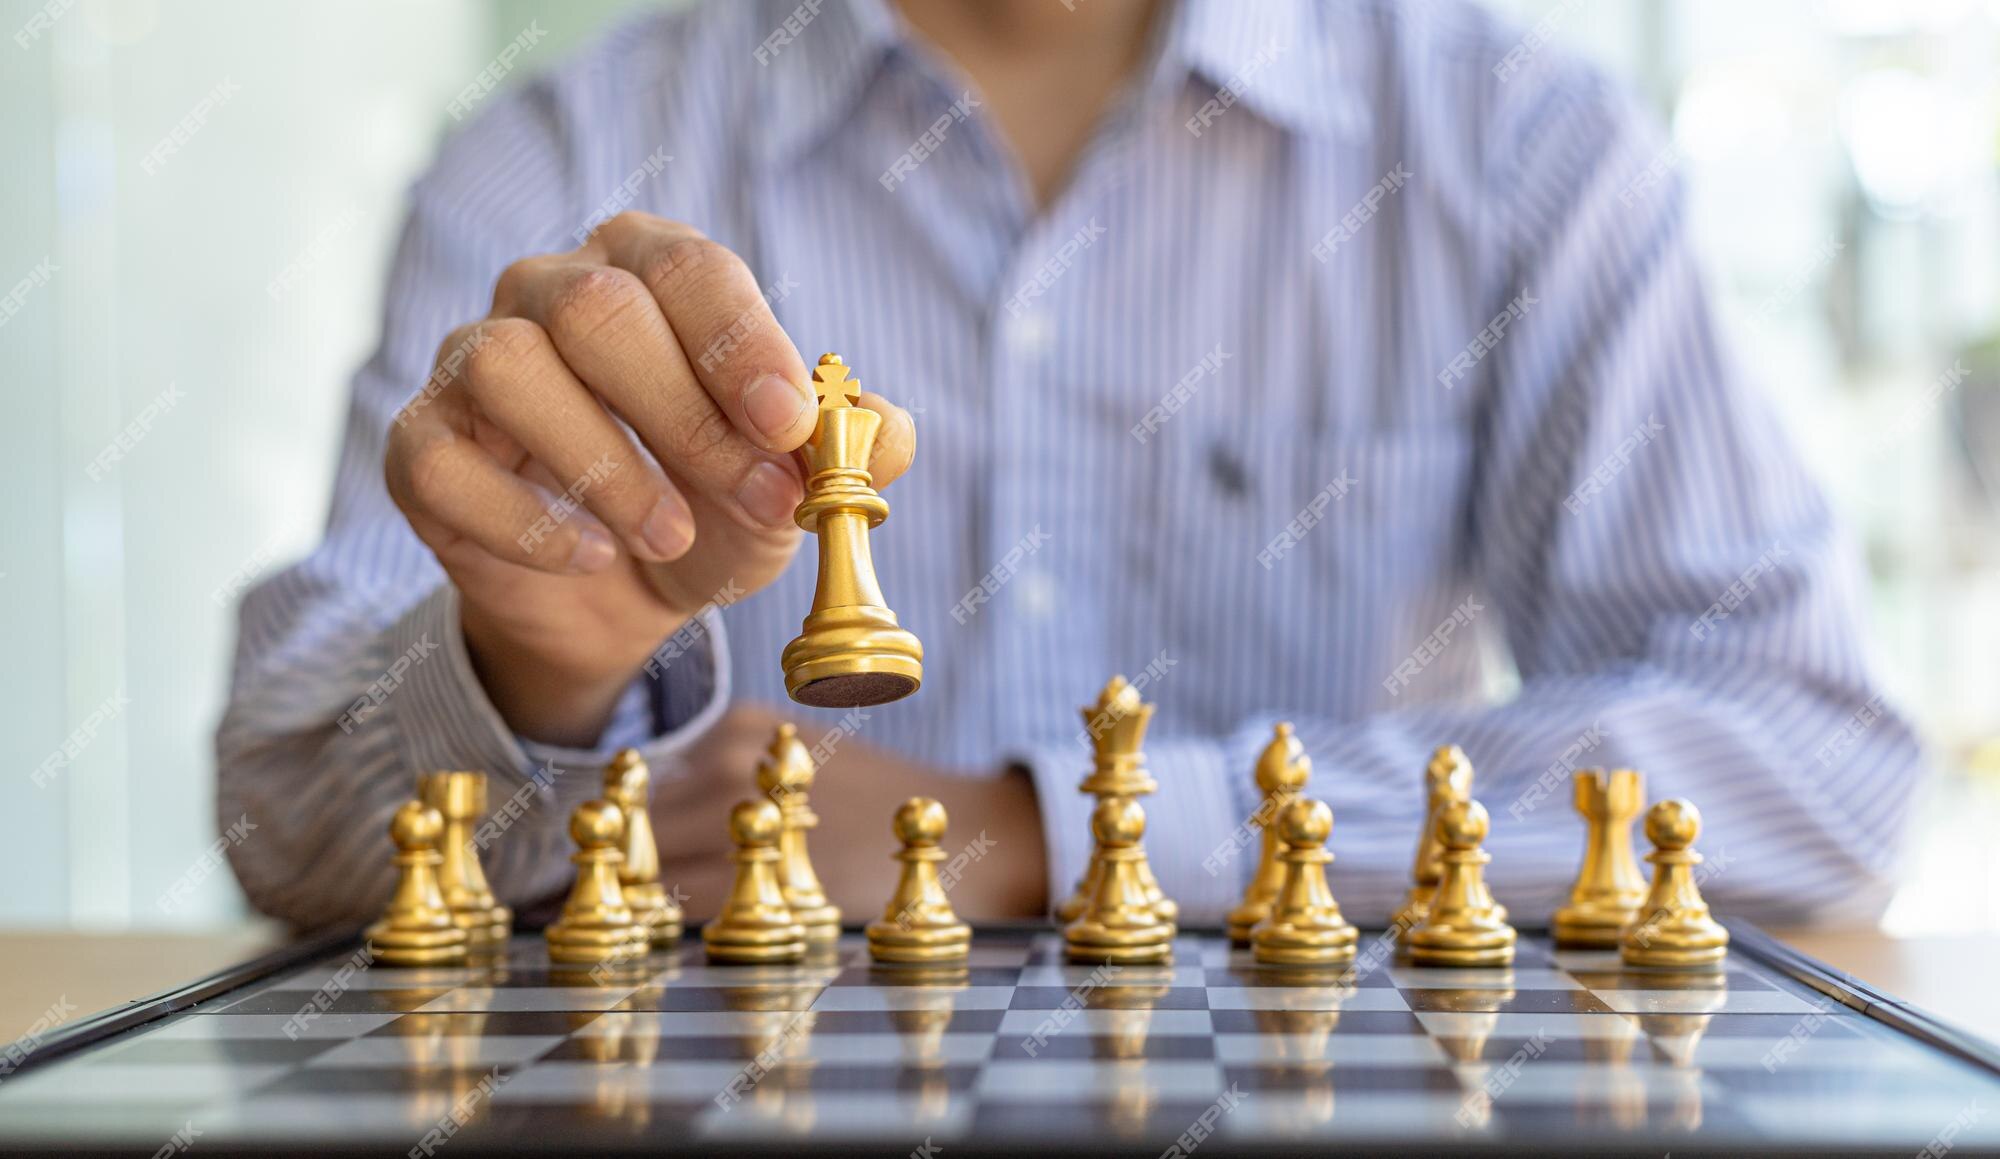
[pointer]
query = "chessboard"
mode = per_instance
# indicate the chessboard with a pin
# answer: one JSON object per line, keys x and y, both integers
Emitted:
{"x": 1015, "y": 1051}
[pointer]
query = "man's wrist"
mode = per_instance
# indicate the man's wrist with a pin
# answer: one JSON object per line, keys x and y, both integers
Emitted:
{"x": 540, "y": 699}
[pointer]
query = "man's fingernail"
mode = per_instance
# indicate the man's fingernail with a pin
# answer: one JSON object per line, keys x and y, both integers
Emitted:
{"x": 770, "y": 494}
{"x": 594, "y": 550}
{"x": 774, "y": 406}
{"x": 668, "y": 529}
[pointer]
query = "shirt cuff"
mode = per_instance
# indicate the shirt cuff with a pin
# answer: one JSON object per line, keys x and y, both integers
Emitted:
{"x": 1188, "y": 820}
{"x": 445, "y": 721}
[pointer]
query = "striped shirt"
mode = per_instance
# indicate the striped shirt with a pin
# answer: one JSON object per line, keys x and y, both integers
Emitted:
{"x": 1361, "y": 376}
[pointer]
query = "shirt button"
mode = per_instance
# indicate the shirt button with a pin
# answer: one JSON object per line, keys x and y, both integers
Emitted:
{"x": 1037, "y": 594}
{"x": 1031, "y": 335}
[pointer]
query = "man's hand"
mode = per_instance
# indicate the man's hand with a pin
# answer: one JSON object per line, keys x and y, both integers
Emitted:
{"x": 643, "y": 377}
{"x": 855, "y": 794}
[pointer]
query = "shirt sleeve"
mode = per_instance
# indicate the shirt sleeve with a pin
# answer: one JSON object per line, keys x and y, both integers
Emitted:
{"x": 1673, "y": 587}
{"x": 351, "y": 676}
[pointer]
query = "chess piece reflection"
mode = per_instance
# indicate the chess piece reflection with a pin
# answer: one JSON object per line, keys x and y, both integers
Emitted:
{"x": 850, "y": 651}
{"x": 1282, "y": 771}
{"x": 1676, "y": 1040}
{"x": 1298, "y": 1059}
{"x": 1304, "y": 926}
{"x": 1121, "y": 925}
{"x": 1674, "y": 928}
{"x": 460, "y": 798}
{"x": 628, "y": 785}
{"x": 785, "y": 775}
{"x": 1447, "y": 778}
{"x": 1609, "y": 887}
{"x": 1116, "y": 726}
{"x": 1464, "y": 927}
{"x": 755, "y": 924}
{"x": 417, "y": 927}
{"x": 918, "y": 924}
{"x": 596, "y": 926}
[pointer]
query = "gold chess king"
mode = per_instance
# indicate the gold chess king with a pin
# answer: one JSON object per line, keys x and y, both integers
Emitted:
{"x": 850, "y": 652}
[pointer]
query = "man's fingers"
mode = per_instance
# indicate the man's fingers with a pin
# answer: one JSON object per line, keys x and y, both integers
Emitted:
{"x": 445, "y": 481}
{"x": 723, "y": 321}
{"x": 611, "y": 334}
{"x": 522, "y": 385}
{"x": 895, "y": 443}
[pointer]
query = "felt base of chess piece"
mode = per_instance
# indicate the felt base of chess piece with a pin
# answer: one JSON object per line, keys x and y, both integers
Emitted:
{"x": 1674, "y": 929}
{"x": 1464, "y": 926}
{"x": 1609, "y": 886}
{"x": 460, "y": 798}
{"x": 1282, "y": 771}
{"x": 1305, "y": 926}
{"x": 1120, "y": 925}
{"x": 417, "y": 927}
{"x": 628, "y": 784}
{"x": 596, "y": 926}
{"x": 785, "y": 774}
{"x": 755, "y": 925}
{"x": 850, "y": 651}
{"x": 918, "y": 925}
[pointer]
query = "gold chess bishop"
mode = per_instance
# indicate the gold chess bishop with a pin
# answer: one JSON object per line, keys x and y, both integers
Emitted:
{"x": 850, "y": 651}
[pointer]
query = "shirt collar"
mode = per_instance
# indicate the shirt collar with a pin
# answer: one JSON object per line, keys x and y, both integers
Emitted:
{"x": 1275, "y": 56}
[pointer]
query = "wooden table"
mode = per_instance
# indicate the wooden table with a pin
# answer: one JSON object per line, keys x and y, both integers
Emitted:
{"x": 1948, "y": 976}
{"x": 84, "y": 973}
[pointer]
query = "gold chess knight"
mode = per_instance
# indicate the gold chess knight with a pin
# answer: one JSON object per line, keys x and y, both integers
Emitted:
{"x": 851, "y": 651}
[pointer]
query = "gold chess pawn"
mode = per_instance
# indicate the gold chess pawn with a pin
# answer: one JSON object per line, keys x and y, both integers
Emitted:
{"x": 1447, "y": 778}
{"x": 628, "y": 784}
{"x": 1304, "y": 926}
{"x": 755, "y": 924}
{"x": 1609, "y": 886}
{"x": 417, "y": 928}
{"x": 1282, "y": 772}
{"x": 785, "y": 774}
{"x": 596, "y": 926}
{"x": 1464, "y": 926}
{"x": 850, "y": 651}
{"x": 1116, "y": 726}
{"x": 918, "y": 924}
{"x": 460, "y": 798}
{"x": 1673, "y": 927}
{"x": 1121, "y": 925}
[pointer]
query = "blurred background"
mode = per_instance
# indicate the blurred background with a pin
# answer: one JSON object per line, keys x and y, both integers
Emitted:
{"x": 172, "y": 374}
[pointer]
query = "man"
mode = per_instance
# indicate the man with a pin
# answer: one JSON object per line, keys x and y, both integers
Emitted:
{"x": 1306, "y": 361}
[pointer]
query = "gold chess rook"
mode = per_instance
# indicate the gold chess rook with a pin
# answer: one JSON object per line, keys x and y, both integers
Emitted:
{"x": 851, "y": 651}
